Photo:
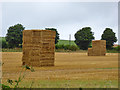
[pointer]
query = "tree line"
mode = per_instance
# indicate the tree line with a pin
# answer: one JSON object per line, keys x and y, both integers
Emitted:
{"x": 83, "y": 37}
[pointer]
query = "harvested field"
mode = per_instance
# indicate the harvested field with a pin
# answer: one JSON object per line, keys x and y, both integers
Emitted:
{"x": 71, "y": 70}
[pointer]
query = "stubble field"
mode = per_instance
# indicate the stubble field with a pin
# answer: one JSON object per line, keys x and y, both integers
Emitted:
{"x": 71, "y": 70}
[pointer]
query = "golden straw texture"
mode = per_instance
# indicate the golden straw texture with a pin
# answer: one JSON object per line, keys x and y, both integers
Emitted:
{"x": 38, "y": 47}
{"x": 98, "y": 48}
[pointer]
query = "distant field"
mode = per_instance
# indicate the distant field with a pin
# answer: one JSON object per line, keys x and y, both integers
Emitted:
{"x": 66, "y": 42}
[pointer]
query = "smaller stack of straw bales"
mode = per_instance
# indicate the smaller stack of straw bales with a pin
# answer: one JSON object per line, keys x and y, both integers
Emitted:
{"x": 38, "y": 47}
{"x": 98, "y": 48}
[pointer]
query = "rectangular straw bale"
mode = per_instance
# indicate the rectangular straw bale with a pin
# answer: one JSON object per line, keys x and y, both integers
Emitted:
{"x": 47, "y": 38}
{"x": 47, "y": 48}
{"x": 34, "y": 58}
{"x": 27, "y": 40}
{"x": 27, "y": 33}
{"x": 96, "y": 44}
{"x": 47, "y": 64}
{"x": 103, "y": 47}
{"x": 98, "y": 48}
{"x": 47, "y": 58}
{"x": 36, "y": 33}
{"x": 47, "y": 52}
{"x": 47, "y": 55}
{"x": 36, "y": 40}
{"x": 46, "y": 41}
{"x": 26, "y": 52}
{"x": 47, "y": 61}
{"x": 48, "y": 32}
{"x": 38, "y": 47}
{"x": 35, "y": 63}
{"x": 35, "y": 52}
{"x": 90, "y": 52}
{"x": 27, "y": 37}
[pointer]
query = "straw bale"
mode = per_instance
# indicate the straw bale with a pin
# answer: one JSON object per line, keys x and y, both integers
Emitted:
{"x": 47, "y": 48}
{"x": 51, "y": 38}
{"x": 90, "y": 52}
{"x": 46, "y": 41}
{"x": 48, "y": 32}
{"x": 36, "y": 33}
{"x": 47, "y": 52}
{"x": 35, "y": 52}
{"x": 47, "y": 61}
{"x": 47, "y": 55}
{"x": 36, "y": 40}
{"x": 27, "y": 33}
{"x": 47, "y": 64}
{"x": 98, "y": 48}
{"x": 34, "y": 63}
{"x": 47, "y": 58}
{"x": 34, "y": 59}
{"x": 38, "y": 47}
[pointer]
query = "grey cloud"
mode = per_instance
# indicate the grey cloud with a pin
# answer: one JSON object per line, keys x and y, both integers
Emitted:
{"x": 66, "y": 17}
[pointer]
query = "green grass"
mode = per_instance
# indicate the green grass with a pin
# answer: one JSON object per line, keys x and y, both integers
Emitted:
{"x": 112, "y": 51}
{"x": 77, "y": 51}
{"x": 69, "y": 84}
{"x": 66, "y": 42}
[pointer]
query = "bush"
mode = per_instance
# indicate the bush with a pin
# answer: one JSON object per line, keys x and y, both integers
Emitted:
{"x": 117, "y": 48}
{"x": 66, "y": 47}
{"x": 73, "y": 48}
{"x": 61, "y": 46}
{"x": 114, "y": 50}
{"x": 4, "y": 43}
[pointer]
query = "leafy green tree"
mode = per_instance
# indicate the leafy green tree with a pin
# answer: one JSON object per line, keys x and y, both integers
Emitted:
{"x": 57, "y": 34}
{"x": 14, "y": 35}
{"x": 110, "y": 38}
{"x": 83, "y": 37}
{"x": 4, "y": 43}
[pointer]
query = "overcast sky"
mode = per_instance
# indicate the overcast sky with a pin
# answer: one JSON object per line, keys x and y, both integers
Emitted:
{"x": 66, "y": 17}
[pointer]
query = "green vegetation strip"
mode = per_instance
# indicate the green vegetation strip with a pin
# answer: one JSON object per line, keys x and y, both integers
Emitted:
{"x": 66, "y": 42}
{"x": 69, "y": 84}
{"x": 61, "y": 42}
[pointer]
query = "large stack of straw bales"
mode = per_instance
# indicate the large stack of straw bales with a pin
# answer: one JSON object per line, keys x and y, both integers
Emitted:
{"x": 38, "y": 47}
{"x": 98, "y": 48}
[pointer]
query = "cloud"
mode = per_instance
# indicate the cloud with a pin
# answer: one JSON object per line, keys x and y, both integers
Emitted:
{"x": 67, "y": 17}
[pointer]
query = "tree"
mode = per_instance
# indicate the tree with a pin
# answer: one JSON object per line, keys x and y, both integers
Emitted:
{"x": 83, "y": 37}
{"x": 4, "y": 43}
{"x": 110, "y": 38}
{"x": 57, "y": 34}
{"x": 14, "y": 35}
